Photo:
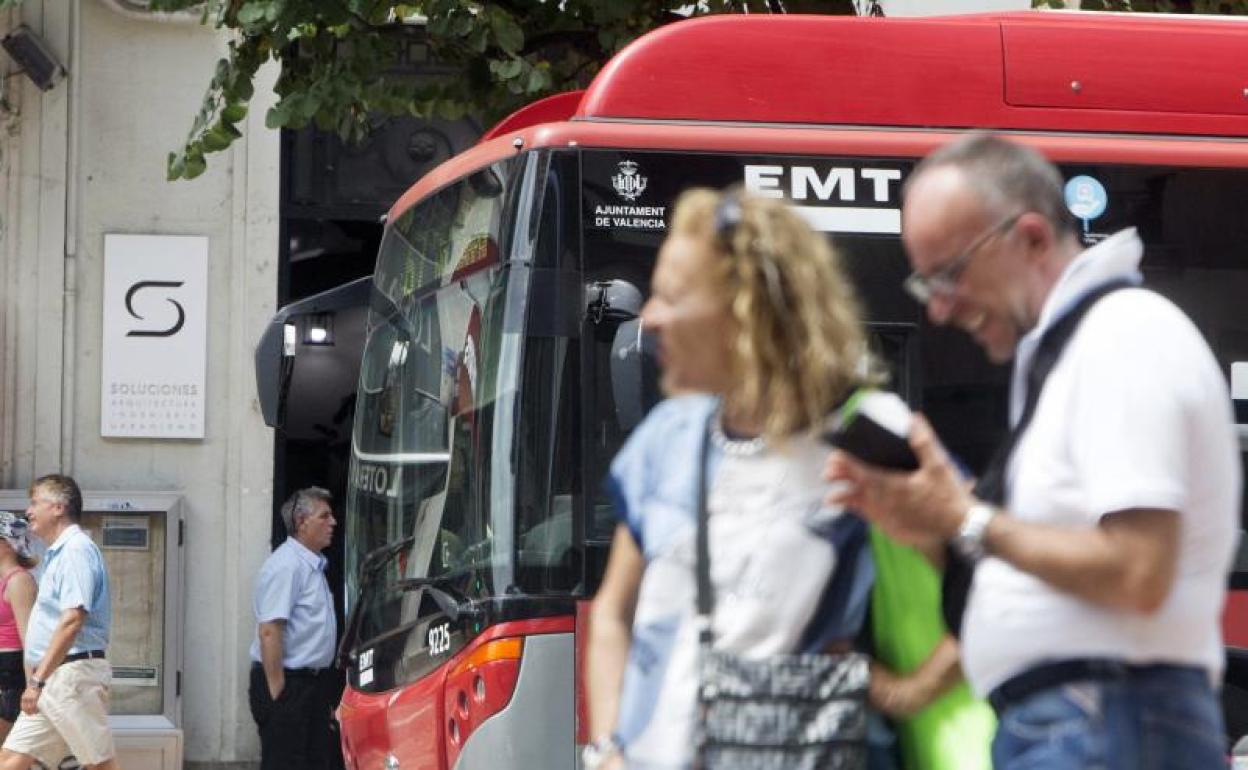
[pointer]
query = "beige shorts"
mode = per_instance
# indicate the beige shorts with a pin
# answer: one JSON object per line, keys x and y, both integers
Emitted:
{"x": 72, "y": 718}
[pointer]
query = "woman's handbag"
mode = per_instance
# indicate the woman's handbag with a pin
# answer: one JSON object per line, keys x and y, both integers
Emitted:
{"x": 796, "y": 712}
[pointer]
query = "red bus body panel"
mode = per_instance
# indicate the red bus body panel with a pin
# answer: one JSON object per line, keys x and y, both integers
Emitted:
{"x": 548, "y": 110}
{"x": 410, "y": 721}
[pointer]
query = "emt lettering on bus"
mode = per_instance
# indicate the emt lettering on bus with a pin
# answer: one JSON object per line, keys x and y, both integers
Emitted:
{"x": 805, "y": 180}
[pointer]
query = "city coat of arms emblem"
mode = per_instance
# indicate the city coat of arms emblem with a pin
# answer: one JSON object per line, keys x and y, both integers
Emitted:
{"x": 628, "y": 183}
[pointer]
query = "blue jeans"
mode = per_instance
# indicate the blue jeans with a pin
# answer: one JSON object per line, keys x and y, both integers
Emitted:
{"x": 1156, "y": 718}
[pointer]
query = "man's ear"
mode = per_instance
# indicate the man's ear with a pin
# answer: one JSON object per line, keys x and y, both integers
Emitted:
{"x": 1037, "y": 234}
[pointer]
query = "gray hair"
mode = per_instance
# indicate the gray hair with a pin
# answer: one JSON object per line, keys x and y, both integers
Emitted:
{"x": 1008, "y": 177}
{"x": 299, "y": 506}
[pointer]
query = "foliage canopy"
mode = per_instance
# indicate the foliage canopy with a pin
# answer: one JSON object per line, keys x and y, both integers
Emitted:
{"x": 342, "y": 60}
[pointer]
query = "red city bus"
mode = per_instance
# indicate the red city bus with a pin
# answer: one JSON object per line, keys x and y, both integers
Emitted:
{"x": 504, "y": 366}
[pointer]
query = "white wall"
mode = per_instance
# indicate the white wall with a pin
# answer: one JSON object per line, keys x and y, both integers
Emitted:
{"x": 88, "y": 158}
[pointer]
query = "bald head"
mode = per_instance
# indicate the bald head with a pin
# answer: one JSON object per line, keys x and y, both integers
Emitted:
{"x": 1004, "y": 176}
{"x": 942, "y": 209}
{"x": 985, "y": 227}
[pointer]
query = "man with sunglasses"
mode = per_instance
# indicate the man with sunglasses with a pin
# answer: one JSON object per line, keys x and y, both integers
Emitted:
{"x": 1104, "y": 532}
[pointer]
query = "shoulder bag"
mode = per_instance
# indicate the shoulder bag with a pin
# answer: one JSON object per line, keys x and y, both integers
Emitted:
{"x": 790, "y": 712}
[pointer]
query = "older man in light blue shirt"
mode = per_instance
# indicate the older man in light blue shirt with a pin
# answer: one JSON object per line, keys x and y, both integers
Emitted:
{"x": 65, "y": 705}
{"x": 293, "y": 683}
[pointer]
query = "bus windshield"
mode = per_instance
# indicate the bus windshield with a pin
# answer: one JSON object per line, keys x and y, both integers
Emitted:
{"x": 433, "y": 413}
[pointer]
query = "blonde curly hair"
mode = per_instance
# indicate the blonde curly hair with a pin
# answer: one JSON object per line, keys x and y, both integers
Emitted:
{"x": 799, "y": 346}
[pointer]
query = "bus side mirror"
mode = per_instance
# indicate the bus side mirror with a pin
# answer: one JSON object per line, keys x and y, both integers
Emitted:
{"x": 634, "y": 374}
{"x": 275, "y": 362}
{"x": 612, "y": 301}
{"x": 275, "y": 352}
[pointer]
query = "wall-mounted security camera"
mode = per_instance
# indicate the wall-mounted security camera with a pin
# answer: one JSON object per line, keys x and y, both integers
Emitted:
{"x": 34, "y": 56}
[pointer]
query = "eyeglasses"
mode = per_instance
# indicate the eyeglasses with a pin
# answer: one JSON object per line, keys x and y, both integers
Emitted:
{"x": 944, "y": 281}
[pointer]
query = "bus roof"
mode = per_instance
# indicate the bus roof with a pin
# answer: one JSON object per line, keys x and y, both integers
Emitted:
{"x": 745, "y": 83}
{"x": 1022, "y": 70}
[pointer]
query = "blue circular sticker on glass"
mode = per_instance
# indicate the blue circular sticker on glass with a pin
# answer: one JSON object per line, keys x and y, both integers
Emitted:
{"x": 1086, "y": 197}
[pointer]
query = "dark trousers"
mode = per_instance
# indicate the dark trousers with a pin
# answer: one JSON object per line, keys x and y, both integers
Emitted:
{"x": 295, "y": 732}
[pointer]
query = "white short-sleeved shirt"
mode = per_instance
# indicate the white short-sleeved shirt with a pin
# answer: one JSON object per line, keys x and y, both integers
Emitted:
{"x": 1136, "y": 414}
{"x": 291, "y": 586}
{"x": 774, "y": 546}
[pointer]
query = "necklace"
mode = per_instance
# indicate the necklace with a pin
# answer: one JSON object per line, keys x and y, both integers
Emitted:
{"x": 746, "y": 447}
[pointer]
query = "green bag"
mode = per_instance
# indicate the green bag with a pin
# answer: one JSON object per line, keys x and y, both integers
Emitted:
{"x": 955, "y": 731}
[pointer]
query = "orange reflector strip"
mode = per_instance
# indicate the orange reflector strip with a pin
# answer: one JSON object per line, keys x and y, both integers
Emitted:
{"x": 498, "y": 649}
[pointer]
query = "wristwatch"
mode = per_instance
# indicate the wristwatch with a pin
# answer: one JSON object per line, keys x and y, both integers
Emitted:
{"x": 37, "y": 683}
{"x": 969, "y": 542}
{"x": 595, "y": 754}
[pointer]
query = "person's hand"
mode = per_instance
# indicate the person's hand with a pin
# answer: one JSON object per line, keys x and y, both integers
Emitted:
{"x": 899, "y": 697}
{"x": 916, "y": 507}
{"x": 275, "y": 688}
{"x": 30, "y": 700}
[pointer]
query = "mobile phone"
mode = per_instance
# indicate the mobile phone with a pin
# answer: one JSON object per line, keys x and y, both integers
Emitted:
{"x": 874, "y": 426}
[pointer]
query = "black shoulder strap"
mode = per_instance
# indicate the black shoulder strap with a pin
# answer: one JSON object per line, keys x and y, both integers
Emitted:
{"x": 706, "y": 593}
{"x": 956, "y": 580}
{"x": 991, "y": 484}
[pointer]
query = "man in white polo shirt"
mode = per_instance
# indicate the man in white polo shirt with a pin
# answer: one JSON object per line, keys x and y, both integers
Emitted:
{"x": 1093, "y": 619}
{"x": 65, "y": 705}
{"x": 293, "y": 682}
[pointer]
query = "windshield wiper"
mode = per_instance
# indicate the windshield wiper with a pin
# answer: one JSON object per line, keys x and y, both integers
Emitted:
{"x": 453, "y": 607}
{"x": 376, "y": 557}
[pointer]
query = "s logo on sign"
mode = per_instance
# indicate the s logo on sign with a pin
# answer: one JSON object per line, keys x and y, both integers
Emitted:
{"x": 135, "y": 289}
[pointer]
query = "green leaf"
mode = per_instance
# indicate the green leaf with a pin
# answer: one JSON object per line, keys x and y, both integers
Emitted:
{"x": 505, "y": 68}
{"x": 241, "y": 90}
{"x": 234, "y": 112}
{"x": 252, "y": 12}
{"x": 175, "y": 167}
{"x": 478, "y": 41}
{"x": 195, "y": 164}
{"x": 277, "y": 116}
{"x": 308, "y": 106}
{"x": 538, "y": 79}
{"x": 506, "y": 31}
{"x": 222, "y": 72}
{"x": 216, "y": 140}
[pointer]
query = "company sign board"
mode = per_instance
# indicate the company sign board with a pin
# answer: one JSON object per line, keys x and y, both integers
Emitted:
{"x": 155, "y": 336}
